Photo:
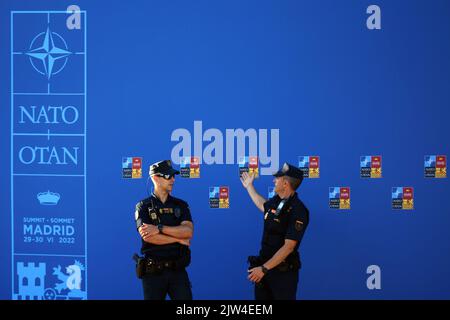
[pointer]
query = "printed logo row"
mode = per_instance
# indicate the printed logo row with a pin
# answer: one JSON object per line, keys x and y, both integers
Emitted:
{"x": 435, "y": 166}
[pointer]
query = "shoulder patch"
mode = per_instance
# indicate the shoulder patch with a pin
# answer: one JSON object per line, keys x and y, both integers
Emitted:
{"x": 139, "y": 205}
{"x": 136, "y": 215}
{"x": 142, "y": 203}
{"x": 298, "y": 225}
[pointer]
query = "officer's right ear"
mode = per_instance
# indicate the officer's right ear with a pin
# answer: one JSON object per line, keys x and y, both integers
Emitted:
{"x": 155, "y": 179}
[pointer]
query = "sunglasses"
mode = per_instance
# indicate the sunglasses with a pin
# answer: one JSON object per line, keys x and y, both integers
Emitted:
{"x": 165, "y": 176}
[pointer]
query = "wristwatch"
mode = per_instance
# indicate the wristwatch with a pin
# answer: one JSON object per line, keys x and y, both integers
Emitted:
{"x": 264, "y": 269}
{"x": 160, "y": 227}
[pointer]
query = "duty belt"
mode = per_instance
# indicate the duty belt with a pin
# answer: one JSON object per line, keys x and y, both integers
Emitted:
{"x": 153, "y": 266}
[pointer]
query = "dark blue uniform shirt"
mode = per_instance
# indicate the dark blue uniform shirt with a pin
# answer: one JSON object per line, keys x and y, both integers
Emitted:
{"x": 171, "y": 213}
{"x": 290, "y": 223}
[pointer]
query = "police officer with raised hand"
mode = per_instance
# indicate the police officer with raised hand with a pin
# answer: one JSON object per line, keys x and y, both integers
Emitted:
{"x": 165, "y": 226}
{"x": 275, "y": 270}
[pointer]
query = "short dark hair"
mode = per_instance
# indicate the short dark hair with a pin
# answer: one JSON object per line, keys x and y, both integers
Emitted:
{"x": 293, "y": 182}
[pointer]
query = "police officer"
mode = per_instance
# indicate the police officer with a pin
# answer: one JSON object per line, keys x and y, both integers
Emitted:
{"x": 165, "y": 226}
{"x": 275, "y": 270}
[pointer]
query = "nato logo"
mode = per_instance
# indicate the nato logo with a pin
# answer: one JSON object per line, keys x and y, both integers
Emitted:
{"x": 370, "y": 166}
{"x": 403, "y": 198}
{"x": 190, "y": 167}
{"x": 48, "y": 53}
{"x": 48, "y": 56}
{"x": 435, "y": 166}
{"x": 131, "y": 167}
{"x": 339, "y": 197}
{"x": 249, "y": 165}
{"x": 219, "y": 197}
{"x": 309, "y": 165}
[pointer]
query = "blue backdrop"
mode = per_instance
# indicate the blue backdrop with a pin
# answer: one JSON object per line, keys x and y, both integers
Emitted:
{"x": 313, "y": 70}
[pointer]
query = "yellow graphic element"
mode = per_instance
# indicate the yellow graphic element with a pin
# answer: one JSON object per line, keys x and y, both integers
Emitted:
{"x": 441, "y": 173}
{"x": 408, "y": 204}
{"x": 254, "y": 172}
{"x": 344, "y": 204}
{"x": 136, "y": 173}
{"x": 224, "y": 203}
{"x": 314, "y": 172}
{"x": 194, "y": 173}
{"x": 375, "y": 173}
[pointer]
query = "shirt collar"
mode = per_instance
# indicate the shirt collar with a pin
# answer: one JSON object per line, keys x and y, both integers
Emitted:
{"x": 169, "y": 199}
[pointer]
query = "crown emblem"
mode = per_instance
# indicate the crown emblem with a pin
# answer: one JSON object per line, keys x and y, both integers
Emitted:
{"x": 48, "y": 198}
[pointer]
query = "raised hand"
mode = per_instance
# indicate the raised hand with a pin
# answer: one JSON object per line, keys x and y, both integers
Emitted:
{"x": 247, "y": 179}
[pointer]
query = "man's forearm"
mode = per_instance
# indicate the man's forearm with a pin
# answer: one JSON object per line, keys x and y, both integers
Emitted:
{"x": 180, "y": 232}
{"x": 257, "y": 199}
{"x": 279, "y": 256}
{"x": 161, "y": 239}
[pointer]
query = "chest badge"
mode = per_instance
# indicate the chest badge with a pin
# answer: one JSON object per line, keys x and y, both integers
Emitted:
{"x": 153, "y": 215}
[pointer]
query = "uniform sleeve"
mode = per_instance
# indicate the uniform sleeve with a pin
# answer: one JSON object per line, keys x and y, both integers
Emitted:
{"x": 269, "y": 203}
{"x": 266, "y": 205}
{"x": 298, "y": 221}
{"x": 138, "y": 214}
{"x": 186, "y": 213}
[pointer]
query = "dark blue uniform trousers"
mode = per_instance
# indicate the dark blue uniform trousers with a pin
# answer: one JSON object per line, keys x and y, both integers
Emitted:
{"x": 277, "y": 285}
{"x": 175, "y": 283}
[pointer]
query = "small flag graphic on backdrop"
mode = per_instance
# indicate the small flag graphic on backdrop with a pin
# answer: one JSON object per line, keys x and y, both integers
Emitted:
{"x": 403, "y": 198}
{"x": 219, "y": 197}
{"x": 339, "y": 197}
{"x": 309, "y": 165}
{"x": 190, "y": 167}
{"x": 131, "y": 167}
{"x": 435, "y": 166}
{"x": 370, "y": 166}
{"x": 250, "y": 165}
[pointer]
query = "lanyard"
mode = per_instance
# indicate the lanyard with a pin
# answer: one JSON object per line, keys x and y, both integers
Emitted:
{"x": 152, "y": 213}
{"x": 280, "y": 207}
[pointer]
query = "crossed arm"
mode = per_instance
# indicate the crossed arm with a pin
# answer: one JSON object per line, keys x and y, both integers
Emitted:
{"x": 180, "y": 234}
